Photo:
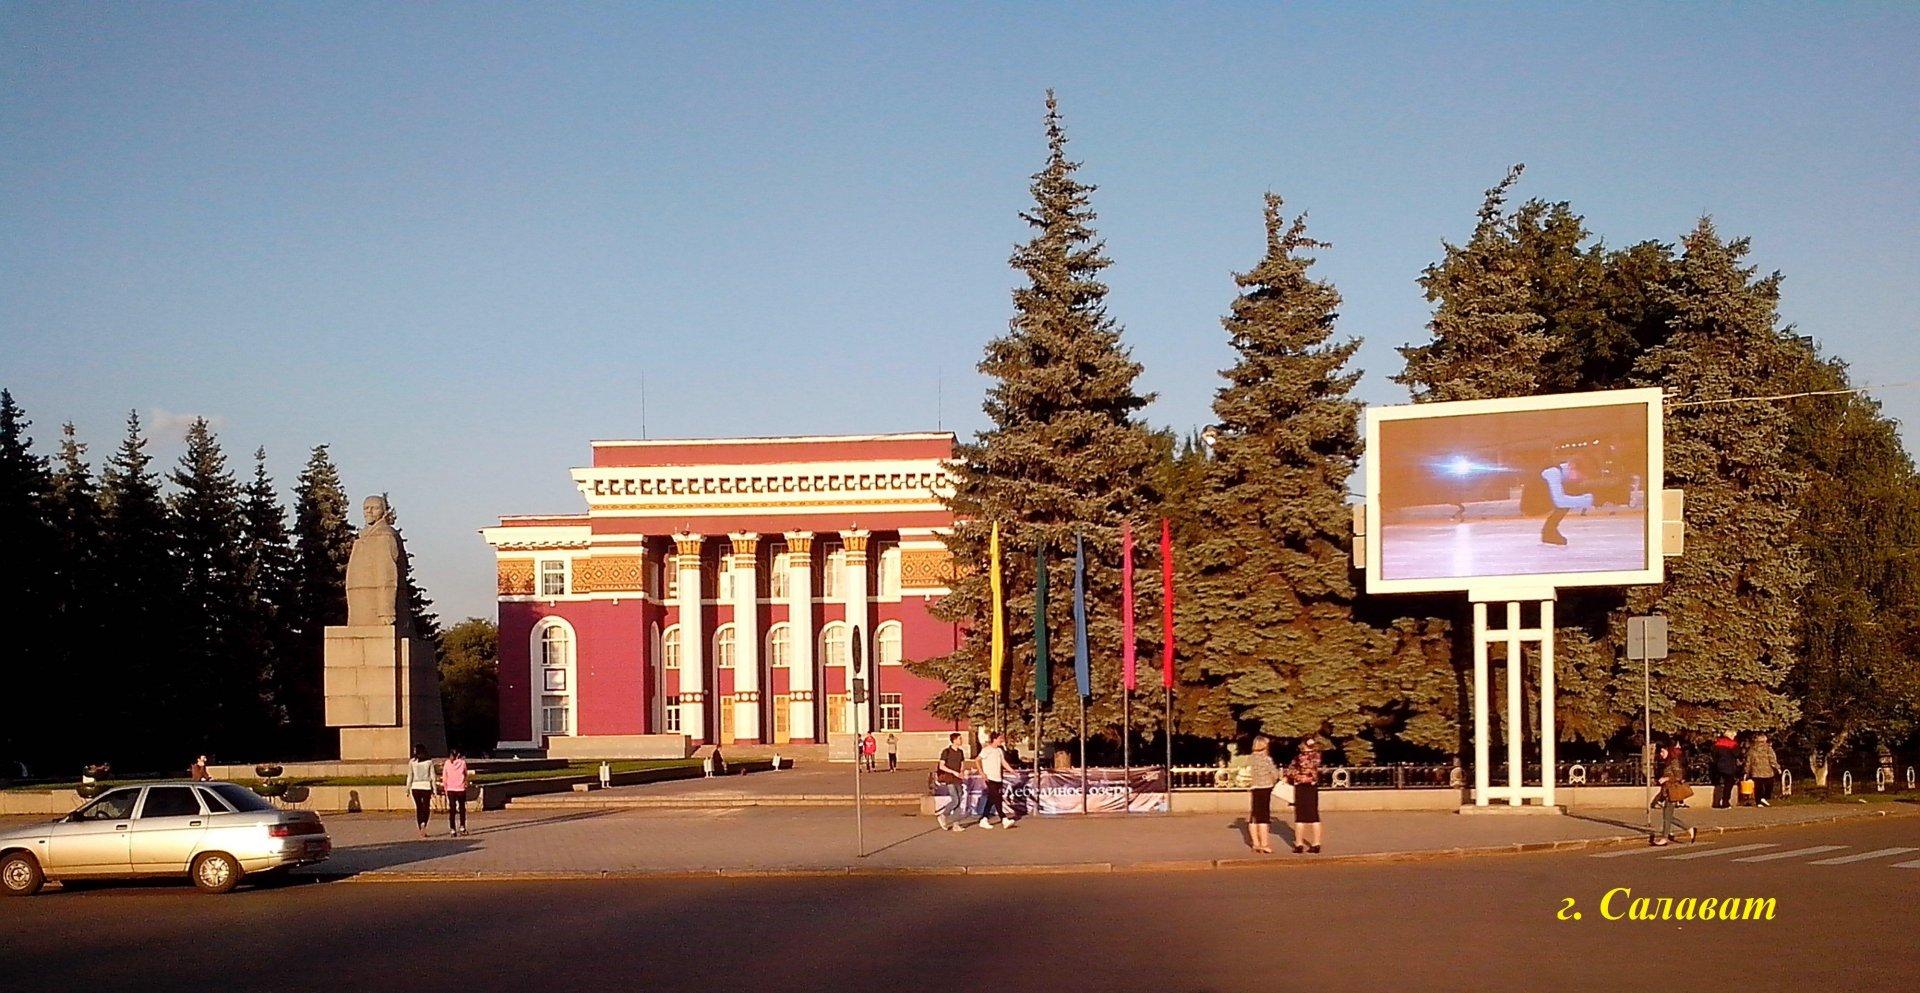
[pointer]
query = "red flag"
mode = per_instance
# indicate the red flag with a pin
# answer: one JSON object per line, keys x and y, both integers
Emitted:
{"x": 1126, "y": 605}
{"x": 1166, "y": 602}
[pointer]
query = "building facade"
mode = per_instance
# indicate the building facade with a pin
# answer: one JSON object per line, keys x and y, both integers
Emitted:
{"x": 728, "y": 590}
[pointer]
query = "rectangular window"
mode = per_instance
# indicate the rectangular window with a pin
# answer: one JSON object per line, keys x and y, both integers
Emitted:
{"x": 556, "y": 680}
{"x": 553, "y": 577}
{"x": 673, "y": 714}
{"x": 836, "y": 713}
{"x": 831, "y": 578}
{"x": 892, "y": 712}
{"x": 777, "y": 579}
{"x": 670, "y": 585}
{"x": 553, "y": 715}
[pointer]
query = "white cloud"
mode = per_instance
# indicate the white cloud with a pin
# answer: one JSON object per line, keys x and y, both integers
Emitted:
{"x": 167, "y": 425}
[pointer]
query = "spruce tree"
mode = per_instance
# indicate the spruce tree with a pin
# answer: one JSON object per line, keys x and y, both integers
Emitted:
{"x": 223, "y": 707}
{"x": 1487, "y": 339}
{"x": 73, "y": 510}
{"x": 1066, "y": 455}
{"x": 322, "y": 540}
{"x": 135, "y": 679}
{"x": 266, "y": 570}
{"x": 28, "y": 581}
{"x": 1732, "y": 599}
{"x": 1272, "y": 596}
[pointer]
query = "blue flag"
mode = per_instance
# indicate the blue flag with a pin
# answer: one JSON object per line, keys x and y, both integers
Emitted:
{"x": 1081, "y": 674}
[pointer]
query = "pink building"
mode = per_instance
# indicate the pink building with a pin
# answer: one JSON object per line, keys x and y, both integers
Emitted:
{"x": 728, "y": 590}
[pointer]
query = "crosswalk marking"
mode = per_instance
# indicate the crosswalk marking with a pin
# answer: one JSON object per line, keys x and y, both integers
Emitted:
{"x": 1719, "y": 851}
{"x": 1915, "y": 864}
{"x": 1771, "y": 856}
{"x": 1863, "y": 856}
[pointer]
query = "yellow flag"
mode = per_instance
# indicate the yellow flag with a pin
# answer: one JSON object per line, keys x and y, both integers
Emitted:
{"x": 999, "y": 656}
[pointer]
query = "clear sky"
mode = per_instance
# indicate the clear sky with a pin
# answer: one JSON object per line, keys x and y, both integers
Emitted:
{"x": 451, "y": 240}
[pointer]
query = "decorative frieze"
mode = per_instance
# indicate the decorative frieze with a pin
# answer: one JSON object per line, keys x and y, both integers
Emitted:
{"x": 515, "y": 577}
{"x": 925, "y": 568}
{"x": 609, "y": 574}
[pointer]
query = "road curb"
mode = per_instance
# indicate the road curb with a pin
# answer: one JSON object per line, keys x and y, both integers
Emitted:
{"x": 1064, "y": 868}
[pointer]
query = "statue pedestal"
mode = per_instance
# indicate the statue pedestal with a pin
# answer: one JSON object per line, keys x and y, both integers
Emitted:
{"x": 382, "y": 692}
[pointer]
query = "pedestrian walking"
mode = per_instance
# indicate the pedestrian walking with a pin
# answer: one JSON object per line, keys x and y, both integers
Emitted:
{"x": 1266, "y": 776}
{"x": 868, "y": 748}
{"x": 993, "y": 769}
{"x": 1304, "y": 774}
{"x": 453, "y": 782}
{"x": 420, "y": 782}
{"x": 719, "y": 761}
{"x": 1764, "y": 766}
{"x": 1674, "y": 792}
{"x": 951, "y": 776}
{"x": 1726, "y": 769}
{"x": 893, "y": 751}
{"x": 199, "y": 771}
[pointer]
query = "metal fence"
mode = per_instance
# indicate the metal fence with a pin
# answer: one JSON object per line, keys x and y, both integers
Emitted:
{"x": 1601, "y": 772}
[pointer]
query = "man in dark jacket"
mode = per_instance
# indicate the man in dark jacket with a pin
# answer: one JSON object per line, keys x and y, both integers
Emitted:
{"x": 1726, "y": 769}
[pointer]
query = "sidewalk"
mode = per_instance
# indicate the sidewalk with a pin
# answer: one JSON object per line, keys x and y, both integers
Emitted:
{"x": 763, "y": 840}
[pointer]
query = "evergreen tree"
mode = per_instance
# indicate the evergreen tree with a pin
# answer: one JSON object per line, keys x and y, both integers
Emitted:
{"x": 1858, "y": 672}
{"x": 28, "y": 581}
{"x": 1487, "y": 339}
{"x": 1066, "y": 454}
{"x": 135, "y": 677}
{"x": 1272, "y": 592}
{"x": 322, "y": 540}
{"x": 73, "y": 510}
{"x": 267, "y": 573}
{"x": 426, "y": 623}
{"x": 223, "y": 707}
{"x": 1732, "y": 599}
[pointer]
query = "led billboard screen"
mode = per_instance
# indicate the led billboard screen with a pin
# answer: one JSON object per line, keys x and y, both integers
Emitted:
{"x": 1556, "y": 490}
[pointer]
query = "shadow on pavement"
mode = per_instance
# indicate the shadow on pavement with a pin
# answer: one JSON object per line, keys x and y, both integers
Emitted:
{"x": 576, "y": 815}
{"x": 356, "y": 859}
{"x": 902, "y": 841}
{"x": 1639, "y": 828}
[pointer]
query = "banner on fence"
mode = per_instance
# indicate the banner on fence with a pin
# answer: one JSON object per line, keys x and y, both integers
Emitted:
{"x": 1109, "y": 791}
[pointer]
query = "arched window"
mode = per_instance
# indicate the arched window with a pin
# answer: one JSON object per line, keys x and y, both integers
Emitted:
{"x": 670, "y": 648}
{"x": 554, "y": 649}
{"x": 833, "y": 644}
{"x": 723, "y": 647}
{"x": 779, "y": 646}
{"x": 886, "y": 643}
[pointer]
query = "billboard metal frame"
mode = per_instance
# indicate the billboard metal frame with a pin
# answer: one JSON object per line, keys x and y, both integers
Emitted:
{"x": 1497, "y": 587}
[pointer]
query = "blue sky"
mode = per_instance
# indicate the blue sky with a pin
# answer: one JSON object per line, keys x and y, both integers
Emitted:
{"x": 451, "y": 241}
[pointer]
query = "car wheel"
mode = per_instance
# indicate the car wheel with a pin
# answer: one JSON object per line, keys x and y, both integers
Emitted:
{"x": 20, "y": 875}
{"x": 216, "y": 872}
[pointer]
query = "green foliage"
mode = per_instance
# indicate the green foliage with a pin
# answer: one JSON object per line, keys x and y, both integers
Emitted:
{"x": 1066, "y": 455}
{"x": 1732, "y": 599}
{"x": 322, "y": 540}
{"x": 31, "y": 547}
{"x": 132, "y": 669}
{"x": 469, "y": 683}
{"x": 1488, "y": 339}
{"x": 222, "y": 701}
{"x": 1858, "y": 672}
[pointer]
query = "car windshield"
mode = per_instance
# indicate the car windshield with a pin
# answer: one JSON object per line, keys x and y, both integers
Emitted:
{"x": 115, "y": 806}
{"x": 240, "y": 798}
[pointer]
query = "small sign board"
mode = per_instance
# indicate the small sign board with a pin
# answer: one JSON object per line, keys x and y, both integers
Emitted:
{"x": 859, "y": 691}
{"x": 1647, "y": 637}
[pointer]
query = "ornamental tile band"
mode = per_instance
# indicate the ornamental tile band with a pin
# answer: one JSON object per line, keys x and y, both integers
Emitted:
{"x": 515, "y": 577}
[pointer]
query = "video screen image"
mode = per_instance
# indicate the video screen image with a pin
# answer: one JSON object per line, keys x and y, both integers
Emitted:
{"x": 1518, "y": 493}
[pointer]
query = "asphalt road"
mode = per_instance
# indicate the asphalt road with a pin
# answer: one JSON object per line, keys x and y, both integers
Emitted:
{"x": 1846, "y": 919}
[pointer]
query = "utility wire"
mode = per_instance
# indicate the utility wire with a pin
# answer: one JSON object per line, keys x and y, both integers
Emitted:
{"x": 1674, "y": 405}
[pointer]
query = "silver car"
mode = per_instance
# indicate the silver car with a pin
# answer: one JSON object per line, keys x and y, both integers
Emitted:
{"x": 214, "y": 833}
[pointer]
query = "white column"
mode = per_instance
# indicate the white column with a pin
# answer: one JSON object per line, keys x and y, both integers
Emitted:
{"x": 800, "y": 630}
{"x": 693, "y": 683}
{"x": 1548, "y": 733}
{"x": 746, "y": 636}
{"x": 1482, "y": 757}
{"x": 1516, "y": 767}
{"x": 854, "y": 585}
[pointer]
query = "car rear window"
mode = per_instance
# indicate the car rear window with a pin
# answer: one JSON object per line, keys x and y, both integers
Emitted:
{"x": 240, "y": 798}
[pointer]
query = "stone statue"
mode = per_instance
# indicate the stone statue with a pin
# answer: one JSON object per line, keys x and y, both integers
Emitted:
{"x": 377, "y": 572}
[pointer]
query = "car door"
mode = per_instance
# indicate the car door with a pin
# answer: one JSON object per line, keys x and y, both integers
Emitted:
{"x": 96, "y": 839}
{"x": 168, "y": 829}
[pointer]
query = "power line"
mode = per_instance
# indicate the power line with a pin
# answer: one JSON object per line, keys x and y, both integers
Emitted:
{"x": 1674, "y": 405}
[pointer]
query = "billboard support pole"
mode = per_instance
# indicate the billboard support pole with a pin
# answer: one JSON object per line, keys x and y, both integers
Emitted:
{"x": 1482, "y": 759}
{"x": 1515, "y": 637}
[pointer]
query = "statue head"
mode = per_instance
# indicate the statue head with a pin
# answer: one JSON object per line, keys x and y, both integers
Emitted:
{"x": 375, "y": 510}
